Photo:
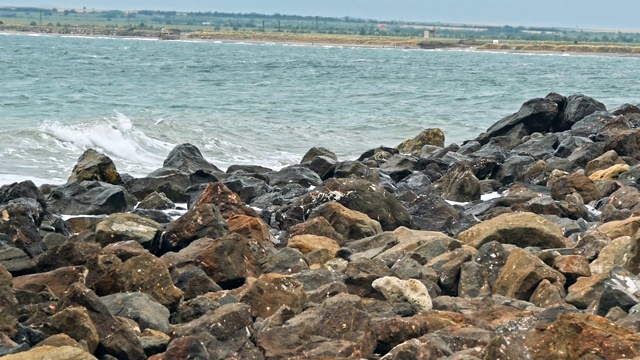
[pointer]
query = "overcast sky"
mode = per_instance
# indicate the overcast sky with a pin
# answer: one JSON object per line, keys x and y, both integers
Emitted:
{"x": 585, "y": 14}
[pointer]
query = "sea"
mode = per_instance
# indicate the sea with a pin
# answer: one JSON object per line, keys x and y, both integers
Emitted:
{"x": 263, "y": 104}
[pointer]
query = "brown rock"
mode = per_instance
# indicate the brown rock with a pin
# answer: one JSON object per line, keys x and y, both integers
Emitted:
{"x": 360, "y": 274}
{"x": 250, "y": 227}
{"x": 52, "y": 353}
{"x": 270, "y": 291}
{"x": 156, "y": 201}
{"x": 581, "y": 336}
{"x": 224, "y": 199}
{"x": 317, "y": 226}
{"x": 602, "y": 162}
{"x": 562, "y": 185}
{"x": 93, "y": 165}
{"x": 459, "y": 184}
{"x": 586, "y": 290}
{"x": 309, "y": 243}
{"x": 520, "y": 229}
{"x": 145, "y": 273}
{"x": 609, "y": 173}
{"x": 521, "y": 275}
{"x": 616, "y": 229}
{"x": 75, "y": 322}
{"x": 448, "y": 267}
{"x": 426, "y": 137}
{"x": 623, "y": 252}
{"x": 625, "y": 143}
{"x": 349, "y": 223}
{"x": 572, "y": 266}
{"x": 125, "y": 250}
{"x": 200, "y": 221}
{"x": 58, "y": 281}
{"x": 548, "y": 294}
{"x": 69, "y": 253}
{"x": 186, "y": 347}
{"x": 59, "y": 340}
{"x": 8, "y": 304}
{"x": 123, "y": 227}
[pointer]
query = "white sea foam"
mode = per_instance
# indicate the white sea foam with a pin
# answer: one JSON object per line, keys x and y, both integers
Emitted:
{"x": 10, "y": 179}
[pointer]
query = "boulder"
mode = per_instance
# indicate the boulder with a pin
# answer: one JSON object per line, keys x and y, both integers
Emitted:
{"x": 492, "y": 256}
{"x": 124, "y": 250}
{"x": 351, "y": 224}
{"x": 616, "y": 229}
{"x": 318, "y": 226}
{"x": 603, "y": 161}
{"x": 285, "y": 261}
{"x": 95, "y": 166}
{"x": 26, "y": 189}
{"x": 447, "y": 267}
{"x": 622, "y": 252}
{"x": 625, "y": 143}
{"x": 577, "y": 107}
{"x": 426, "y": 137}
{"x": 432, "y": 212}
{"x": 75, "y": 322}
{"x": 194, "y": 282}
{"x": 324, "y": 166}
{"x": 430, "y": 348}
{"x": 586, "y": 290}
{"x": 249, "y": 226}
{"x": 562, "y": 184}
{"x": 8, "y": 304}
{"x": 309, "y": 243}
{"x": 474, "y": 281}
{"x": 172, "y": 183}
{"x": 520, "y": 229}
{"x": 535, "y": 115}
{"x": 513, "y": 169}
{"x": 459, "y": 184}
{"x": 58, "y": 281}
{"x": 216, "y": 193}
{"x": 580, "y": 336}
{"x": 619, "y": 291}
{"x": 20, "y": 220}
{"x": 591, "y": 126}
{"x": 47, "y": 352}
{"x": 123, "y": 227}
{"x": 145, "y": 273}
{"x": 15, "y": 260}
{"x": 539, "y": 146}
{"x": 411, "y": 290}
{"x": 338, "y": 328}
{"x": 521, "y": 275}
{"x": 140, "y": 307}
{"x": 116, "y": 338}
{"x": 200, "y": 221}
{"x": 612, "y": 172}
{"x": 297, "y": 174}
{"x": 247, "y": 186}
{"x": 156, "y": 201}
{"x": 399, "y": 166}
{"x": 361, "y": 273}
{"x": 269, "y": 292}
{"x": 90, "y": 198}
{"x": 188, "y": 159}
{"x": 69, "y": 253}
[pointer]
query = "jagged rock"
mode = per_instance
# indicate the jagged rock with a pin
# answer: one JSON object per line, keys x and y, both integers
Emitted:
{"x": 247, "y": 186}
{"x": 172, "y": 183}
{"x": 250, "y": 227}
{"x": 399, "y": 166}
{"x": 592, "y": 125}
{"x": 426, "y": 137}
{"x": 616, "y": 229}
{"x": 577, "y": 107}
{"x": 188, "y": 159}
{"x": 294, "y": 174}
{"x": 269, "y": 292}
{"x": 603, "y": 161}
{"x": 324, "y": 166}
{"x": 75, "y": 322}
{"x": 154, "y": 342}
{"x": 19, "y": 221}
{"x": 513, "y": 169}
{"x": 520, "y": 229}
{"x": 69, "y": 253}
{"x": 473, "y": 281}
{"x": 572, "y": 267}
{"x": 124, "y": 250}
{"x": 356, "y": 170}
{"x": 459, "y": 184}
{"x": 145, "y": 273}
{"x": 58, "y": 280}
{"x": 90, "y": 198}
{"x": 156, "y": 201}
{"x": 318, "y": 226}
{"x": 47, "y": 352}
{"x": 548, "y": 294}
{"x": 580, "y": 336}
{"x": 122, "y": 227}
{"x": 492, "y": 256}
{"x": 397, "y": 290}
{"x": 94, "y": 166}
{"x": 200, "y": 221}
{"x": 285, "y": 261}
{"x": 339, "y": 327}
{"x": 570, "y": 144}
{"x": 15, "y": 260}
{"x": 138, "y": 306}
{"x": 308, "y": 243}
{"x": 351, "y": 224}
{"x": 619, "y": 291}
{"x": 432, "y": 212}
{"x": 448, "y": 266}
{"x": 625, "y": 143}
{"x": 522, "y": 273}
{"x": 539, "y": 146}
{"x": 223, "y": 333}
{"x": 8, "y": 304}
{"x": 361, "y": 273}
{"x": 116, "y": 338}
{"x": 564, "y": 184}
{"x": 536, "y": 115}
{"x": 194, "y": 282}
{"x": 612, "y": 172}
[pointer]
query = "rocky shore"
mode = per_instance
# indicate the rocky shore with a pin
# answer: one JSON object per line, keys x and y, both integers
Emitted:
{"x": 523, "y": 243}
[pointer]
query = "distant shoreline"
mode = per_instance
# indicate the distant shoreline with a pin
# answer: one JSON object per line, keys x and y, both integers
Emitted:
{"x": 339, "y": 40}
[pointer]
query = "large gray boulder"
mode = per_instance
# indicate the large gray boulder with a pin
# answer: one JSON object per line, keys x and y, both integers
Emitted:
{"x": 90, "y": 198}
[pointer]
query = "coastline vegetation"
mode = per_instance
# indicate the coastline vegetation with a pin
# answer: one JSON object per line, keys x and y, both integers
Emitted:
{"x": 314, "y": 30}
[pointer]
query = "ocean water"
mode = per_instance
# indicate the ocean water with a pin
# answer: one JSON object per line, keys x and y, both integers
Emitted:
{"x": 263, "y": 104}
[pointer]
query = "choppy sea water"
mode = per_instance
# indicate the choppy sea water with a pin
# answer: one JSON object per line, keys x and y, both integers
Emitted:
{"x": 260, "y": 104}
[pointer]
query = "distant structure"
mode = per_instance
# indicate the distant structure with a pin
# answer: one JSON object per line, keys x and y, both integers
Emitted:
{"x": 169, "y": 34}
{"x": 496, "y": 42}
{"x": 429, "y": 33}
{"x": 383, "y": 27}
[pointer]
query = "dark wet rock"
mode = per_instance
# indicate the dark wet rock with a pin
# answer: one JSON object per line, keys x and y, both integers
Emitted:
{"x": 58, "y": 281}
{"x": 90, "y": 198}
{"x": 248, "y": 169}
{"x": 138, "y": 306}
{"x": 536, "y": 115}
{"x": 577, "y": 108}
{"x": 224, "y": 333}
{"x": 68, "y": 253}
{"x": 632, "y": 175}
{"x": 8, "y": 304}
{"x": 318, "y": 151}
{"x": 563, "y": 184}
{"x": 399, "y": 166}
{"x": 469, "y": 147}
{"x": 194, "y": 282}
{"x": 492, "y": 256}
{"x": 116, "y": 338}
{"x": 361, "y": 272}
{"x": 269, "y": 292}
{"x": 432, "y": 212}
{"x": 15, "y": 260}
{"x": 172, "y": 183}
{"x": 19, "y": 221}
{"x": 585, "y": 153}
{"x": 625, "y": 143}
{"x": 145, "y": 273}
{"x": 285, "y": 261}
{"x": 459, "y": 184}
{"x": 324, "y": 166}
{"x": 75, "y": 322}
{"x": 520, "y": 229}
{"x": 318, "y": 226}
{"x": 426, "y": 137}
{"x": 338, "y": 328}
{"x": 188, "y": 159}
{"x": 473, "y": 280}
{"x": 591, "y": 125}
{"x": 123, "y": 227}
{"x": 248, "y": 187}
{"x": 352, "y": 225}
{"x": 539, "y": 146}
{"x": 25, "y": 189}
{"x": 522, "y": 273}
{"x": 413, "y": 186}
{"x": 356, "y": 170}
{"x": 569, "y": 144}
{"x": 156, "y": 201}
{"x": 200, "y": 221}
{"x": 94, "y": 166}
{"x": 512, "y": 170}
{"x": 294, "y": 174}
{"x": 158, "y": 216}
{"x": 230, "y": 260}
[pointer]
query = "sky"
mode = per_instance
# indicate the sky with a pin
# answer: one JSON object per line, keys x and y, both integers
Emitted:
{"x": 583, "y": 14}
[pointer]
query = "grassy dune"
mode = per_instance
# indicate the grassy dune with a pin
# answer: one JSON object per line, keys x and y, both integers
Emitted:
{"x": 308, "y": 38}
{"x": 565, "y": 47}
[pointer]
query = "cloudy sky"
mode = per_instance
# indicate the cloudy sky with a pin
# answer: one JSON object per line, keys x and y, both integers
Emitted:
{"x": 585, "y": 14}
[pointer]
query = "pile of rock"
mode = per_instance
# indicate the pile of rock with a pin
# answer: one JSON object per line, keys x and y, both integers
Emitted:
{"x": 520, "y": 244}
